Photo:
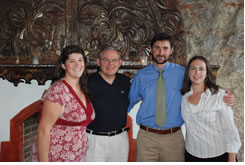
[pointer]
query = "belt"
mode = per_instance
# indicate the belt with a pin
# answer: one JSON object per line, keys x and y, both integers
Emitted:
{"x": 159, "y": 131}
{"x": 111, "y": 133}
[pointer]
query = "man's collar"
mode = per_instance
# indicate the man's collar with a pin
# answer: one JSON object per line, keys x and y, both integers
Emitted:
{"x": 165, "y": 68}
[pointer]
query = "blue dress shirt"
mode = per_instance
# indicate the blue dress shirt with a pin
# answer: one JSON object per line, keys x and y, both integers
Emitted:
{"x": 143, "y": 88}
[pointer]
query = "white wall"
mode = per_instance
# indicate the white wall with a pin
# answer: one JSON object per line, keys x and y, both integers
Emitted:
{"x": 133, "y": 113}
{"x": 14, "y": 99}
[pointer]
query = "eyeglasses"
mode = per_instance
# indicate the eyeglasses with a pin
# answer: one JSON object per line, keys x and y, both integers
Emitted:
{"x": 113, "y": 61}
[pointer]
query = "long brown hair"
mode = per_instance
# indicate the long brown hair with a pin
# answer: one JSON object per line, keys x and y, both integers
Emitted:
{"x": 60, "y": 72}
{"x": 209, "y": 80}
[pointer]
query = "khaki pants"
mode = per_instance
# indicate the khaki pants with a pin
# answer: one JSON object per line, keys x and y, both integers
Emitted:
{"x": 152, "y": 147}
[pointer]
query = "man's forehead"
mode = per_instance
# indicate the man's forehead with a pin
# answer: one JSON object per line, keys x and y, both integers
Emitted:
{"x": 109, "y": 53}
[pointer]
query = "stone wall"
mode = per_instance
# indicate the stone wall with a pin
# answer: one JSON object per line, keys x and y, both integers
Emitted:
{"x": 215, "y": 29}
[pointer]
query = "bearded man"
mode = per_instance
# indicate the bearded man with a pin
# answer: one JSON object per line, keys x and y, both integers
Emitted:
{"x": 164, "y": 141}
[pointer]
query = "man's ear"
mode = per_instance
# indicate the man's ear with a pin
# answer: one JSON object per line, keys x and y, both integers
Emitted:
{"x": 171, "y": 51}
{"x": 98, "y": 61}
{"x": 120, "y": 62}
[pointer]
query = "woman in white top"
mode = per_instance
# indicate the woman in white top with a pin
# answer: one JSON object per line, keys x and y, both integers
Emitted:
{"x": 211, "y": 134}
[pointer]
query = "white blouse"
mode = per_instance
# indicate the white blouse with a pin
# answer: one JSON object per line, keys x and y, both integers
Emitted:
{"x": 210, "y": 127}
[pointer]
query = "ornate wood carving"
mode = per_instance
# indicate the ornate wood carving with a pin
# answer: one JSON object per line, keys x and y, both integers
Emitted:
{"x": 129, "y": 26}
{"x": 25, "y": 73}
{"x": 43, "y": 27}
{"x": 31, "y": 28}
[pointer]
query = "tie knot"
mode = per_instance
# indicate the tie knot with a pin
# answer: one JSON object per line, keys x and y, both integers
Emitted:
{"x": 160, "y": 71}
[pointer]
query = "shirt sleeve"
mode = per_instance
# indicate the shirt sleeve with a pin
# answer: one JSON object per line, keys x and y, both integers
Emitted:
{"x": 134, "y": 92}
{"x": 55, "y": 94}
{"x": 231, "y": 134}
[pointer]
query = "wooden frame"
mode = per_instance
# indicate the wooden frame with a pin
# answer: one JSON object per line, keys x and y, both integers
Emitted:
{"x": 12, "y": 151}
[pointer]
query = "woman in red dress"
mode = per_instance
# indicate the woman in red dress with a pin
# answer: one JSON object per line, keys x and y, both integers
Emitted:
{"x": 66, "y": 111}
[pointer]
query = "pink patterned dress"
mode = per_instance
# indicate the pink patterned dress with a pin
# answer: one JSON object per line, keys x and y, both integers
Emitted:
{"x": 68, "y": 139}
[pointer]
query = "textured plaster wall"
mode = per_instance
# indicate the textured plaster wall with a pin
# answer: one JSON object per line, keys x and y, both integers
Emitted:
{"x": 215, "y": 29}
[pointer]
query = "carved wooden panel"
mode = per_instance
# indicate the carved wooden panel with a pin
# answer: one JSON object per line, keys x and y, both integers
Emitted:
{"x": 43, "y": 27}
{"x": 129, "y": 26}
{"x": 32, "y": 28}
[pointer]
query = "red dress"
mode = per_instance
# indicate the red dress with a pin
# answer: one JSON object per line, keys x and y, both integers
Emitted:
{"x": 68, "y": 139}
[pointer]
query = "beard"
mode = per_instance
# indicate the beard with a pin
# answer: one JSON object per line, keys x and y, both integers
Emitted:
{"x": 159, "y": 61}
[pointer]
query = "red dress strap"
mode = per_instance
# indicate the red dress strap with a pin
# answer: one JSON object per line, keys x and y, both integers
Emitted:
{"x": 88, "y": 110}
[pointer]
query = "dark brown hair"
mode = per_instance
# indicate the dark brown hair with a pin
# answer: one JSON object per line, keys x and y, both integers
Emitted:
{"x": 209, "y": 80}
{"x": 162, "y": 37}
{"x": 60, "y": 72}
